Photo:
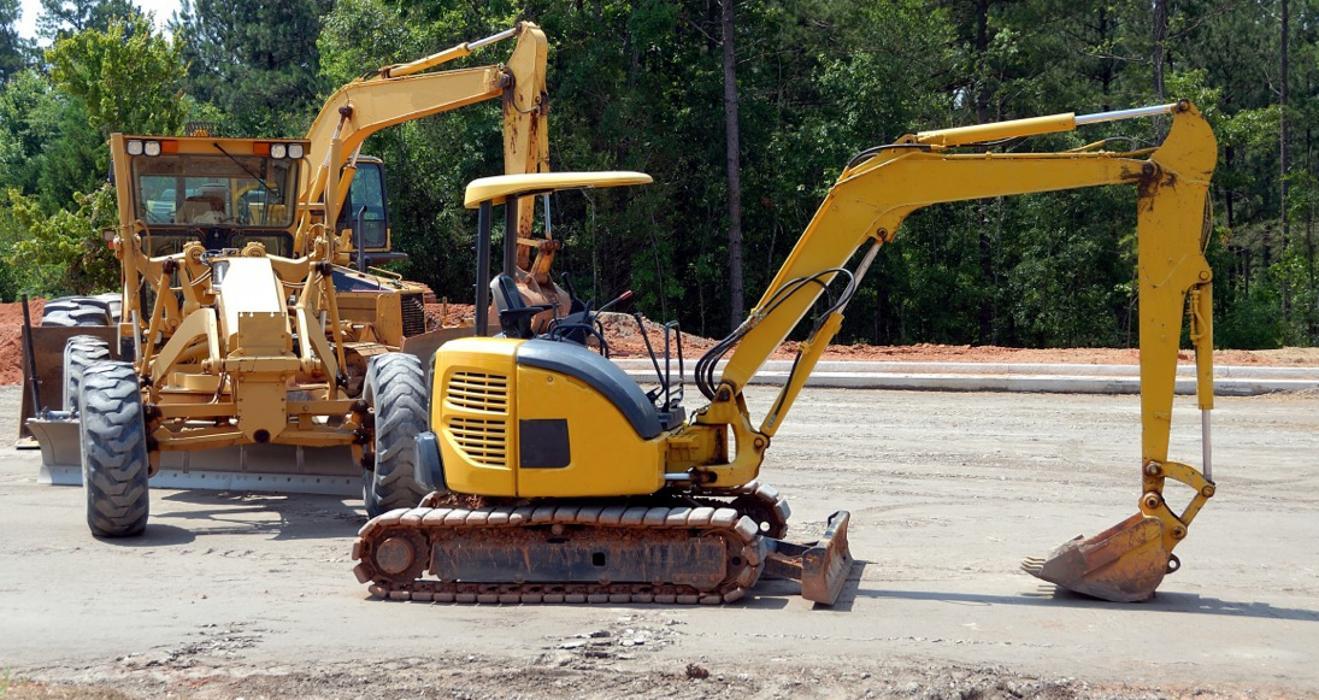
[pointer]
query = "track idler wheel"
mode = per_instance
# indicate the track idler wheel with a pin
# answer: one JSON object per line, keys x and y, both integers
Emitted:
{"x": 393, "y": 553}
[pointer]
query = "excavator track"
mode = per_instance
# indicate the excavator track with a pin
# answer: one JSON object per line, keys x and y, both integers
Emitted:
{"x": 760, "y": 502}
{"x": 562, "y": 553}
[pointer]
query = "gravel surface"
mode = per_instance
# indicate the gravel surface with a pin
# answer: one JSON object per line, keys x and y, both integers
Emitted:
{"x": 231, "y": 595}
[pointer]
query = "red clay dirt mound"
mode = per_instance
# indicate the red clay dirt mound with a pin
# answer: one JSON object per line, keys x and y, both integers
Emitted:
{"x": 11, "y": 339}
{"x": 625, "y": 341}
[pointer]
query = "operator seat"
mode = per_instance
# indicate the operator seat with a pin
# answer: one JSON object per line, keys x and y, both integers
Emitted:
{"x": 201, "y": 209}
{"x": 514, "y": 314}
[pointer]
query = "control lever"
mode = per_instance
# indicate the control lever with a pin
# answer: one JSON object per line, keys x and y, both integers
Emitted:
{"x": 589, "y": 315}
{"x": 625, "y": 296}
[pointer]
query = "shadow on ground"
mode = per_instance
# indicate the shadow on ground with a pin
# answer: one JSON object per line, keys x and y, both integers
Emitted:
{"x": 156, "y": 535}
{"x": 1051, "y": 596}
{"x": 774, "y": 593}
{"x": 295, "y": 516}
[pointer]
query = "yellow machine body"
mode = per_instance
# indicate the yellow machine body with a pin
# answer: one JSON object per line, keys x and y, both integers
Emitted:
{"x": 510, "y": 429}
{"x": 527, "y": 425}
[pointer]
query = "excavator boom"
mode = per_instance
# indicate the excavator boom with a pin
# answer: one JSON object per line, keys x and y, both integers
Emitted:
{"x": 868, "y": 204}
{"x": 406, "y": 92}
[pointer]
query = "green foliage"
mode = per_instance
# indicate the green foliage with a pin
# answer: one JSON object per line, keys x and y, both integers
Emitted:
{"x": 637, "y": 84}
{"x": 128, "y": 77}
{"x": 63, "y": 253}
{"x": 1254, "y": 321}
{"x": 15, "y": 51}
{"x": 255, "y": 60}
{"x": 62, "y": 18}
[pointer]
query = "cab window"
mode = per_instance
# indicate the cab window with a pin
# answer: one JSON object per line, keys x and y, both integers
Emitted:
{"x": 205, "y": 190}
{"x": 367, "y": 195}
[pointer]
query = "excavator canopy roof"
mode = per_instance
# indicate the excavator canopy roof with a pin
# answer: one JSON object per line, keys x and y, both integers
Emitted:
{"x": 500, "y": 187}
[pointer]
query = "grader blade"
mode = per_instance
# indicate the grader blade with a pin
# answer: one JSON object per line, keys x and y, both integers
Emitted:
{"x": 1124, "y": 563}
{"x": 424, "y": 345}
{"x": 327, "y": 471}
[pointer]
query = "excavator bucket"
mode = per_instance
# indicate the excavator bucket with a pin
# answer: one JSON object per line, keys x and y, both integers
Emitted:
{"x": 1124, "y": 563}
{"x": 822, "y": 567}
{"x": 424, "y": 345}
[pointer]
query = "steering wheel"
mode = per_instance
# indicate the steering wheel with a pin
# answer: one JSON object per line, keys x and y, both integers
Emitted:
{"x": 212, "y": 238}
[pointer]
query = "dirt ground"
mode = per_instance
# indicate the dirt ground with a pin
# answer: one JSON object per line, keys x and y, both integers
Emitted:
{"x": 11, "y": 339}
{"x": 232, "y": 595}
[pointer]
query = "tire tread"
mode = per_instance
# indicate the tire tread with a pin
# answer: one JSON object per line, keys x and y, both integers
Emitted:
{"x": 396, "y": 392}
{"x": 114, "y": 450}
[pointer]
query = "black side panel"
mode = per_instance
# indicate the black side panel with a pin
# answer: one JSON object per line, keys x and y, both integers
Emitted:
{"x": 603, "y": 375}
{"x": 414, "y": 314}
{"x": 543, "y": 443}
{"x": 428, "y": 471}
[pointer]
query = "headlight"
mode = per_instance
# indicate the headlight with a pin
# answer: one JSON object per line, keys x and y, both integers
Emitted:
{"x": 278, "y": 150}
{"x": 295, "y": 151}
{"x": 152, "y": 148}
{"x": 134, "y": 148}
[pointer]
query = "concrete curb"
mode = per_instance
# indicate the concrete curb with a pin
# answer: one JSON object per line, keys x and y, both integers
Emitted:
{"x": 1015, "y": 377}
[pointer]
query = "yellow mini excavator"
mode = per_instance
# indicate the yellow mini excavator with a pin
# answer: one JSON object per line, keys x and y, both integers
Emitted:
{"x": 557, "y": 479}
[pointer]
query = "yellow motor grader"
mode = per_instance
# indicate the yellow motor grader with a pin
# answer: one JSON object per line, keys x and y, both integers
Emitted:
{"x": 249, "y": 325}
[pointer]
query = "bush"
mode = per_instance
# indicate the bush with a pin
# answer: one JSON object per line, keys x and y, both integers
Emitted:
{"x": 63, "y": 253}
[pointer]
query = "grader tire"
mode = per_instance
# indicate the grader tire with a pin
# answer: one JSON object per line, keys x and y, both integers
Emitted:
{"x": 396, "y": 392}
{"x": 80, "y": 352}
{"x": 76, "y": 312}
{"x": 114, "y": 450}
{"x": 114, "y": 305}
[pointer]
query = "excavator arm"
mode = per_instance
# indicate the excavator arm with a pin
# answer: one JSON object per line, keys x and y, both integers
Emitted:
{"x": 868, "y": 204}
{"x": 400, "y": 93}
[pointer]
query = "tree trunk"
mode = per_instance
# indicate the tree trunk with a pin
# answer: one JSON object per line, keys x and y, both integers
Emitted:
{"x": 985, "y": 247}
{"x": 1160, "y": 40}
{"x": 736, "y": 305}
{"x": 1106, "y": 68}
{"x": 1311, "y": 320}
{"x": 1284, "y": 155}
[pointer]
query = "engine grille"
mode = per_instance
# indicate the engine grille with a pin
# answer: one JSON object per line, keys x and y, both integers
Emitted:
{"x": 414, "y": 314}
{"x": 483, "y": 440}
{"x": 478, "y": 391}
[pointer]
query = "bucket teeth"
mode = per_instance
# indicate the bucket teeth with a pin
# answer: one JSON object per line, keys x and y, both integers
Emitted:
{"x": 1032, "y": 565}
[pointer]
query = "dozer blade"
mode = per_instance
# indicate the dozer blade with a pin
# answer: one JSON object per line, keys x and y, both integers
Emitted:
{"x": 822, "y": 567}
{"x": 1124, "y": 563}
{"x": 48, "y": 349}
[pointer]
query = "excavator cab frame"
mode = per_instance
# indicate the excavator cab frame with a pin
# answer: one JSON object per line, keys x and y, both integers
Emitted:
{"x": 365, "y": 212}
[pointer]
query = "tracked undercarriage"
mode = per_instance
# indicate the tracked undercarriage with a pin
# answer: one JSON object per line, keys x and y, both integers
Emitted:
{"x": 682, "y": 548}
